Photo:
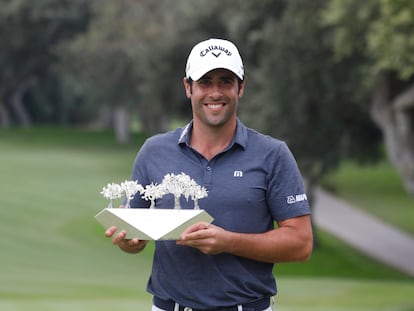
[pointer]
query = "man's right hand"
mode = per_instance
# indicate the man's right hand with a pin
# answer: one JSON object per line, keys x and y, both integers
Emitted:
{"x": 131, "y": 246}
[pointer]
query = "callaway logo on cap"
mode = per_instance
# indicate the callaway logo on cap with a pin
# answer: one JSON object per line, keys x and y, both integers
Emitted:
{"x": 212, "y": 54}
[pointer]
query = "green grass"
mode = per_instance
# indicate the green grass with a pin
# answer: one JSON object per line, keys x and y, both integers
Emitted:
{"x": 54, "y": 255}
{"x": 67, "y": 138}
{"x": 377, "y": 189}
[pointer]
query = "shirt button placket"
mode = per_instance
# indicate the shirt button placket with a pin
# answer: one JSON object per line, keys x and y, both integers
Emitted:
{"x": 208, "y": 175}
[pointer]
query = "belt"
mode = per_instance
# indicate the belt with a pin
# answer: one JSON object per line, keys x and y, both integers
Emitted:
{"x": 255, "y": 305}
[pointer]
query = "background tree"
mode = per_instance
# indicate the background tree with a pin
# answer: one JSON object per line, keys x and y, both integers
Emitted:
{"x": 127, "y": 62}
{"x": 380, "y": 34}
{"x": 30, "y": 31}
{"x": 296, "y": 90}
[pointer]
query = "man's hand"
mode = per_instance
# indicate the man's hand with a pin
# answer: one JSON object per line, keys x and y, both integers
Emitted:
{"x": 207, "y": 238}
{"x": 291, "y": 241}
{"x": 131, "y": 246}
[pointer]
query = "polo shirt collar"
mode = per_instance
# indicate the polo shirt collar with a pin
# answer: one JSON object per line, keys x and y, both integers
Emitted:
{"x": 239, "y": 138}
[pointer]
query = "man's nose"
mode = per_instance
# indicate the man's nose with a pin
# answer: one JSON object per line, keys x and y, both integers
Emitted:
{"x": 216, "y": 91}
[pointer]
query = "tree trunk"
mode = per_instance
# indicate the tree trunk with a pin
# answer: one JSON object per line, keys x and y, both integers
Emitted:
{"x": 121, "y": 125}
{"x": 5, "y": 120}
{"x": 395, "y": 117}
{"x": 16, "y": 101}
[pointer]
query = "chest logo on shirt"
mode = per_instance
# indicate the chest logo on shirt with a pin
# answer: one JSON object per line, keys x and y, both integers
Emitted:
{"x": 238, "y": 174}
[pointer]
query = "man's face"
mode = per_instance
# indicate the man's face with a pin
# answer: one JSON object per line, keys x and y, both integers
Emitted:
{"x": 214, "y": 97}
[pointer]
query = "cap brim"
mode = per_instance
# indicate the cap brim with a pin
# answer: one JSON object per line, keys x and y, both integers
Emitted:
{"x": 199, "y": 72}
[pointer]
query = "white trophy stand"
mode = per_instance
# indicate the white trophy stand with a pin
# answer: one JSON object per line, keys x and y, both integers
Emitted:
{"x": 152, "y": 223}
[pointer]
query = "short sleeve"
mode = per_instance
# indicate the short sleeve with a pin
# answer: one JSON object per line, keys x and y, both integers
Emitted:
{"x": 286, "y": 192}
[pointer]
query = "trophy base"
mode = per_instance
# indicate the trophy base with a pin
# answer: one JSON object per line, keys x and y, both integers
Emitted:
{"x": 151, "y": 224}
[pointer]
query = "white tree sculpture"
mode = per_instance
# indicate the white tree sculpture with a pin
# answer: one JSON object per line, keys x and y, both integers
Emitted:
{"x": 153, "y": 192}
{"x": 111, "y": 192}
{"x": 178, "y": 185}
{"x": 130, "y": 187}
{"x": 198, "y": 192}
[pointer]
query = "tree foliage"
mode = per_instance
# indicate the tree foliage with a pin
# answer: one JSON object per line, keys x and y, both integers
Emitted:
{"x": 30, "y": 32}
{"x": 383, "y": 30}
{"x": 297, "y": 91}
{"x": 332, "y": 78}
{"x": 380, "y": 30}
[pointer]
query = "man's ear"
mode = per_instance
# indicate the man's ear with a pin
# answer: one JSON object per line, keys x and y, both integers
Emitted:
{"x": 241, "y": 88}
{"x": 187, "y": 87}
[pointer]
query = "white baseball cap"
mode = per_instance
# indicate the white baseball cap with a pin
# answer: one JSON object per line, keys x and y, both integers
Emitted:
{"x": 212, "y": 54}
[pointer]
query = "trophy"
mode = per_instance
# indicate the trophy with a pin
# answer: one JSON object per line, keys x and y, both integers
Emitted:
{"x": 152, "y": 223}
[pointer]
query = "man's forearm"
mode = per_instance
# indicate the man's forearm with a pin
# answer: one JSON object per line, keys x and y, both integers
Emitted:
{"x": 284, "y": 244}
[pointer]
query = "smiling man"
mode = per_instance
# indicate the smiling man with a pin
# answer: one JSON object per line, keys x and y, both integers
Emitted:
{"x": 251, "y": 179}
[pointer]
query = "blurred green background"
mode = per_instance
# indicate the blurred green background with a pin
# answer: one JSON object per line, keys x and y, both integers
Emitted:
{"x": 84, "y": 82}
{"x": 55, "y": 256}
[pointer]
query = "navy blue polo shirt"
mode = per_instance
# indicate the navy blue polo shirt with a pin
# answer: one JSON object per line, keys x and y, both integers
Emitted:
{"x": 251, "y": 183}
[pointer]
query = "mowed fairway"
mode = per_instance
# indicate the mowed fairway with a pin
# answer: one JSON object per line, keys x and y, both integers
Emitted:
{"x": 54, "y": 256}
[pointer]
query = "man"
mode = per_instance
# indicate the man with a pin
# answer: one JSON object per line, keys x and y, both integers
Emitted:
{"x": 252, "y": 181}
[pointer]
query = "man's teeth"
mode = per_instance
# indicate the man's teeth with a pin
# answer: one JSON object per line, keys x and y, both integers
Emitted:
{"x": 214, "y": 106}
